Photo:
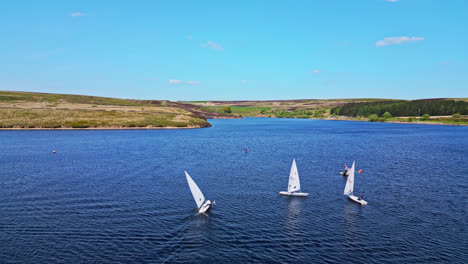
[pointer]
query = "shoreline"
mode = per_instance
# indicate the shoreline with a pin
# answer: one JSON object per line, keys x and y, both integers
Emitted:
{"x": 195, "y": 127}
{"x": 362, "y": 120}
{"x": 99, "y": 128}
{"x": 399, "y": 122}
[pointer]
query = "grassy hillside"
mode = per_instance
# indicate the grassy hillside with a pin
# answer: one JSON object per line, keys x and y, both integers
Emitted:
{"x": 42, "y": 110}
{"x": 348, "y": 109}
{"x": 279, "y": 108}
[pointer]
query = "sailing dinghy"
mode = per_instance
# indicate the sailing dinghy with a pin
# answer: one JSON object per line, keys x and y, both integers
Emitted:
{"x": 294, "y": 186}
{"x": 202, "y": 204}
{"x": 349, "y": 188}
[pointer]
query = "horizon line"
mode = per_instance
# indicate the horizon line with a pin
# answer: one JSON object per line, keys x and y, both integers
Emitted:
{"x": 246, "y": 100}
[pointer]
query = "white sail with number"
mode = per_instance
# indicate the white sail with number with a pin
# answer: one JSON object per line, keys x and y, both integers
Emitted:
{"x": 349, "y": 188}
{"x": 294, "y": 184}
{"x": 197, "y": 194}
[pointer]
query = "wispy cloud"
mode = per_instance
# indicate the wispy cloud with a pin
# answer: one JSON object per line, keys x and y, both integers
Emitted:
{"x": 397, "y": 41}
{"x": 153, "y": 79}
{"x": 172, "y": 81}
{"x": 316, "y": 71}
{"x": 244, "y": 81}
{"x": 78, "y": 14}
{"x": 189, "y": 37}
{"x": 213, "y": 45}
{"x": 393, "y": 1}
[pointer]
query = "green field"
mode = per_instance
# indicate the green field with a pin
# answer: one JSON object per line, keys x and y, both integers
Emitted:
{"x": 238, "y": 110}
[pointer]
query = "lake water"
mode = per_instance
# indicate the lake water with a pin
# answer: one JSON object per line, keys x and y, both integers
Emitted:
{"x": 120, "y": 196}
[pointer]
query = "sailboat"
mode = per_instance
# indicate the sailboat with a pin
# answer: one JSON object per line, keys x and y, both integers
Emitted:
{"x": 294, "y": 186}
{"x": 349, "y": 188}
{"x": 202, "y": 204}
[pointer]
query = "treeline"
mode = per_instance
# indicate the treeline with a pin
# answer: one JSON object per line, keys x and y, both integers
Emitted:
{"x": 433, "y": 107}
{"x": 298, "y": 113}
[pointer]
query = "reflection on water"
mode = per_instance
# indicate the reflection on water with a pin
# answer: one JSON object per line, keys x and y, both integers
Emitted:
{"x": 294, "y": 210}
{"x": 350, "y": 217}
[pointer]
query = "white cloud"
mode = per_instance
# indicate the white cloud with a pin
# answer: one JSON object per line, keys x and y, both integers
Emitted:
{"x": 189, "y": 37}
{"x": 172, "y": 81}
{"x": 213, "y": 45}
{"x": 78, "y": 14}
{"x": 244, "y": 81}
{"x": 397, "y": 41}
{"x": 393, "y": 1}
{"x": 316, "y": 71}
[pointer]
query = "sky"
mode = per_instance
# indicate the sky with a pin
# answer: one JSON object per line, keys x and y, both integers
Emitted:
{"x": 236, "y": 50}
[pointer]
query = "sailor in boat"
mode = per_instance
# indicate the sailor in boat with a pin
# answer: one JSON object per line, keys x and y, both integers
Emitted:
{"x": 360, "y": 196}
{"x": 345, "y": 173}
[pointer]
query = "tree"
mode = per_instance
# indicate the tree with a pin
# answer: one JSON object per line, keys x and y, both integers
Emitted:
{"x": 425, "y": 117}
{"x": 319, "y": 112}
{"x": 456, "y": 115}
{"x": 387, "y": 115}
{"x": 373, "y": 118}
{"x": 226, "y": 110}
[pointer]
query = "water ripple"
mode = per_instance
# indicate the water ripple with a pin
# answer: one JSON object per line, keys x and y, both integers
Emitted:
{"x": 121, "y": 196}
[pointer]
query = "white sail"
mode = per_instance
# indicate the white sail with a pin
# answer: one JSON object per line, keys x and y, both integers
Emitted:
{"x": 349, "y": 188}
{"x": 294, "y": 184}
{"x": 197, "y": 194}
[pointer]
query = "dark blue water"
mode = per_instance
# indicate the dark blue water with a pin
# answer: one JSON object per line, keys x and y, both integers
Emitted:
{"x": 121, "y": 195}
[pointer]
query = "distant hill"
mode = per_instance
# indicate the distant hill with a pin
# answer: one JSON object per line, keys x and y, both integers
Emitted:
{"x": 44, "y": 110}
{"x": 280, "y": 108}
{"x": 440, "y": 110}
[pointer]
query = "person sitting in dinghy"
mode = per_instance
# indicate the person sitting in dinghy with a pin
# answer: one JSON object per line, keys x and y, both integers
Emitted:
{"x": 360, "y": 196}
{"x": 345, "y": 172}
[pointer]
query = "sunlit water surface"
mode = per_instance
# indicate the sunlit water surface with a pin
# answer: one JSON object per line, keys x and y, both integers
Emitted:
{"x": 110, "y": 196}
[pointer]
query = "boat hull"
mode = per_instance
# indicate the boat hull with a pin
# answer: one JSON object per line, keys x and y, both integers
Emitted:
{"x": 205, "y": 207}
{"x": 343, "y": 173}
{"x": 356, "y": 200}
{"x": 300, "y": 194}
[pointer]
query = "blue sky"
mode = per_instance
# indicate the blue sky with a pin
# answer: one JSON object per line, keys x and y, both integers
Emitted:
{"x": 220, "y": 50}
